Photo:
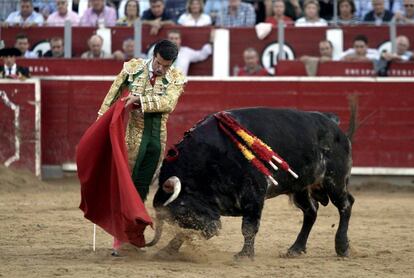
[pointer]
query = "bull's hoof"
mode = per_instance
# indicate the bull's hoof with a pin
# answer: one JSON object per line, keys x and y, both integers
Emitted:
{"x": 293, "y": 253}
{"x": 342, "y": 249}
{"x": 244, "y": 254}
{"x": 115, "y": 253}
{"x": 342, "y": 252}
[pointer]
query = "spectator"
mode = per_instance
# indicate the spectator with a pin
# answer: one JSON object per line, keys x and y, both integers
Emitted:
{"x": 252, "y": 66}
{"x": 156, "y": 16}
{"x": 402, "y": 53}
{"x": 379, "y": 14}
{"x": 62, "y": 14}
{"x": 127, "y": 52}
{"x": 175, "y": 8}
{"x": 9, "y": 68}
{"x": 56, "y": 48}
{"x": 346, "y": 12}
{"x": 143, "y": 6}
{"x": 311, "y": 18}
{"x": 23, "y": 45}
{"x": 293, "y": 9}
{"x": 194, "y": 15}
{"x": 98, "y": 14}
{"x": 365, "y": 6}
{"x": 131, "y": 13}
{"x": 279, "y": 14}
{"x": 325, "y": 53}
{"x": 95, "y": 49}
{"x": 360, "y": 51}
{"x": 187, "y": 55}
{"x": 236, "y": 14}
{"x": 312, "y": 62}
{"x": 214, "y": 7}
{"x": 406, "y": 17}
{"x": 25, "y": 17}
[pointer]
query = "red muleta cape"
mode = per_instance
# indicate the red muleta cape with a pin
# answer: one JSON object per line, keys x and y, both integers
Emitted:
{"x": 108, "y": 196}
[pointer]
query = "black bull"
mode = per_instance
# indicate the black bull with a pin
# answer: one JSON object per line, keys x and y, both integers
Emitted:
{"x": 212, "y": 177}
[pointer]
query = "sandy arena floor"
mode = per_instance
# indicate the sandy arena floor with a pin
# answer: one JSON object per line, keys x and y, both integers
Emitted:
{"x": 44, "y": 234}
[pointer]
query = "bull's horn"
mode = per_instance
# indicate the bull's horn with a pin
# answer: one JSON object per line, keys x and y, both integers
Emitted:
{"x": 177, "y": 188}
{"x": 158, "y": 232}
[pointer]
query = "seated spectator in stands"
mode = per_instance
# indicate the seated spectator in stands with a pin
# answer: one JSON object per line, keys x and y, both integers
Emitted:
{"x": 95, "y": 49}
{"x": 360, "y": 51}
{"x": 346, "y": 12}
{"x": 236, "y": 14}
{"x": 365, "y": 6}
{"x": 156, "y": 16}
{"x": 56, "y": 48}
{"x": 98, "y": 14}
{"x": 187, "y": 55}
{"x": 22, "y": 44}
{"x": 406, "y": 16}
{"x": 278, "y": 10}
{"x": 379, "y": 14}
{"x": 402, "y": 53}
{"x": 25, "y": 17}
{"x": 214, "y": 7}
{"x": 252, "y": 65}
{"x": 127, "y": 52}
{"x": 9, "y": 68}
{"x": 143, "y": 5}
{"x": 194, "y": 15}
{"x": 131, "y": 14}
{"x": 175, "y": 8}
{"x": 62, "y": 14}
{"x": 293, "y": 9}
{"x": 311, "y": 18}
{"x": 325, "y": 53}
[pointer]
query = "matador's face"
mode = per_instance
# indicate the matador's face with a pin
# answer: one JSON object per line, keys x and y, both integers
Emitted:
{"x": 160, "y": 65}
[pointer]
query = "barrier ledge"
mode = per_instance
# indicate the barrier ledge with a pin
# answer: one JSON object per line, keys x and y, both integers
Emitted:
{"x": 355, "y": 79}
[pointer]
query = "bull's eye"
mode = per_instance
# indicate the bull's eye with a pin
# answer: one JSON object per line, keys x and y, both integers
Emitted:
{"x": 182, "y": 203}
{"x": 172, "y": 154}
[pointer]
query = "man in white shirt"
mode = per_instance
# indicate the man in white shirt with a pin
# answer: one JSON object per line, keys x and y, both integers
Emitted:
{"x": 25, "y": 17}
{"x": 187, "y": 55}
{"x": 402, "y": 53}
{"x": 360, "y": 51}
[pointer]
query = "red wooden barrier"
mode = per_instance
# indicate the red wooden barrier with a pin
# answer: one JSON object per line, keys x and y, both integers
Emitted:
{"x": 20, "y": 124}
{"x": 385, "y": 138}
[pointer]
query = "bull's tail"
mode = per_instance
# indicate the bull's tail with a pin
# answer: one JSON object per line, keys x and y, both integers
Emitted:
{"x": 353, "y": 120}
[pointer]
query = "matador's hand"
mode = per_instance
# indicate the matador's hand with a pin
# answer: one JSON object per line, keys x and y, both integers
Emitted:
{"x": 131, "y": 99}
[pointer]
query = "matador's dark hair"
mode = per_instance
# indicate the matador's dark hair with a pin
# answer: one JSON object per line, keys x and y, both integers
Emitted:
{"x": 167, "y": 50}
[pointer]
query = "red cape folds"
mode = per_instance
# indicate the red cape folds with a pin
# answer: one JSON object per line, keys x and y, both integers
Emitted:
{"x": 108, "y": 195}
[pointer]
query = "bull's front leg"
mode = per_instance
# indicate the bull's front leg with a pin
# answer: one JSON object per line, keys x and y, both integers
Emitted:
{"x": 250, "y": 227}
{"x": 173, "y": 246}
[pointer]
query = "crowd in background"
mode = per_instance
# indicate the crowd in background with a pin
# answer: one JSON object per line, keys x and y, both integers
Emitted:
{"x": 220, "y": 13}
{"x": 224, "y": 13}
